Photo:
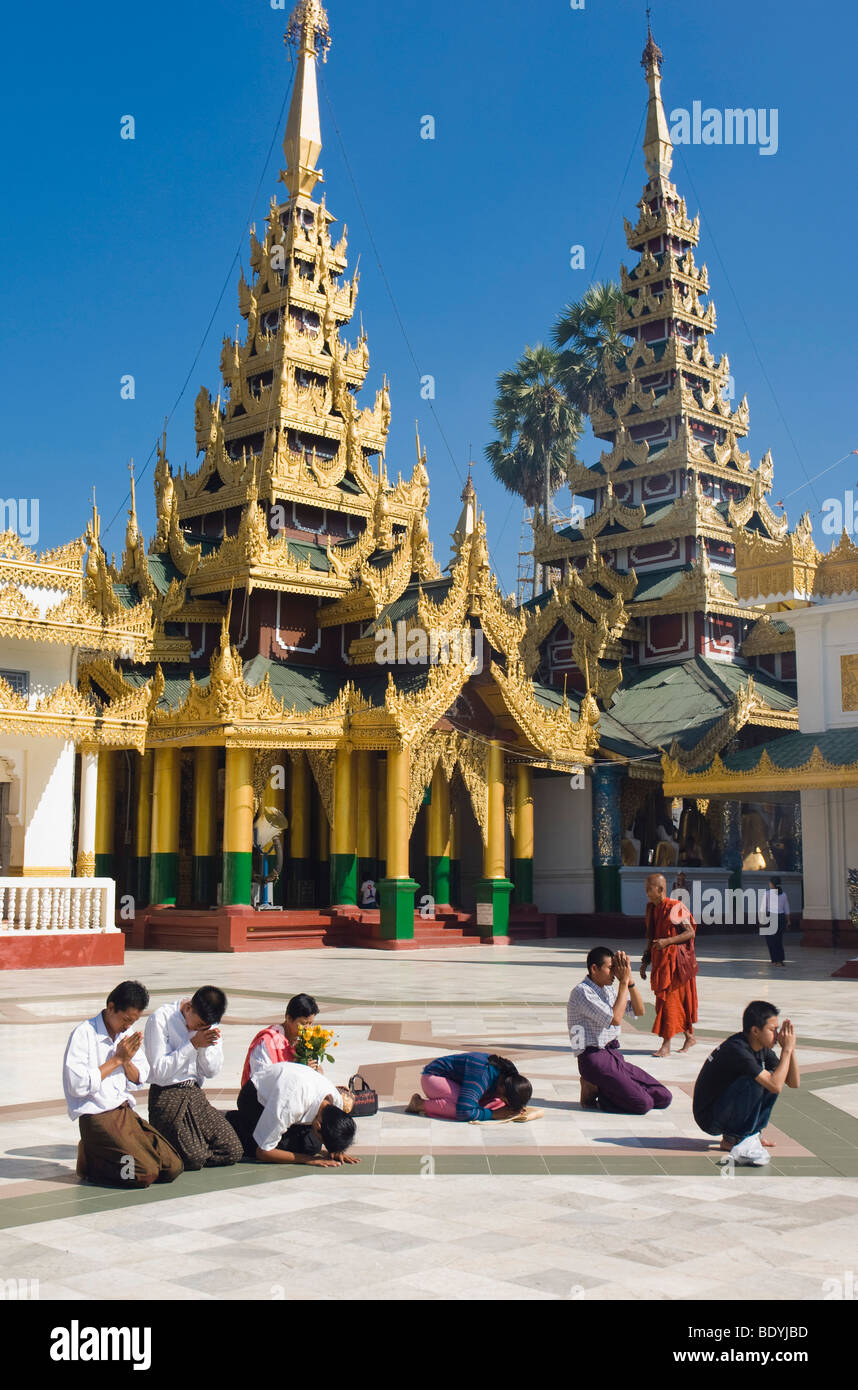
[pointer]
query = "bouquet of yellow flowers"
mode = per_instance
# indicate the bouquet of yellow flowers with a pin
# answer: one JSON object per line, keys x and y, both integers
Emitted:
{"x": 312, "y": 1045}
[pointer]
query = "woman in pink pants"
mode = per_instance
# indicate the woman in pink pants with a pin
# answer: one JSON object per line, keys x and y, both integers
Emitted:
{"x": 472, "y": 1086}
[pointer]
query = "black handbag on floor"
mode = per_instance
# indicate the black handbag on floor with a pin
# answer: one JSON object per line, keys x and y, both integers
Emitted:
{"x": 366, "y": 1099}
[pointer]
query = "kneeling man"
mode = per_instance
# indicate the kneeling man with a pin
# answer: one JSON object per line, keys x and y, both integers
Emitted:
{"x": 184, "y": 1049}
{"x": 103, "y": 1066}
{"x": 288, "y": 1095}
{"x": 596, "y": 1009}
{"x": 740, "y": 1081}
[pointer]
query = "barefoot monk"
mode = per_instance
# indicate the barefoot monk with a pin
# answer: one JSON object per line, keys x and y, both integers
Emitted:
{"x": 670, "y": 953}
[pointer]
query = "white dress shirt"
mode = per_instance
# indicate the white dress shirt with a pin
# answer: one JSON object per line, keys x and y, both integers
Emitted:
{"x": 88, "y": 1048}
{"x": 290, "y": 1094}
{"x": 590, "y": 1015}
{"x": 171, "y": 1055}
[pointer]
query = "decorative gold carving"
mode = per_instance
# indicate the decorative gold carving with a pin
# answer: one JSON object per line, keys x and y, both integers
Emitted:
{"x": 322, "y": 767}
{"x": 551, "y": 731}
{"x": 771, "y": 570}
{"x": 849, "y": 682}
{"x": 816, "y": 772}
{"x": 66, "y": 713}
{"x": 472, "y": 760}
{"x": 837, "y": 572}
{"x": 756, "y": 503}
{"x": 422, "y": 763}
{"x": 765, "y": 639}
{"x": 14, "y": 606}
{"x": 59, "y": 568}
{"x": 747, "y": 707}
{"x": 85, "y": 865}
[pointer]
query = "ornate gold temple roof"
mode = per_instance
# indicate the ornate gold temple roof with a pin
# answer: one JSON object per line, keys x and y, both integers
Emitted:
{"x": 669, "y": 411}
{"x": 789, "y": 570}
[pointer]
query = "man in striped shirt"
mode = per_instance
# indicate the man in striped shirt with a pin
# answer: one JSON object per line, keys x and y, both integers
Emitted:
{"x": 594, "y": 1016}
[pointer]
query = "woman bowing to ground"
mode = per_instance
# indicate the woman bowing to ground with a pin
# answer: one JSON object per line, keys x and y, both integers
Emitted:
{"x": 473, "y": 1086}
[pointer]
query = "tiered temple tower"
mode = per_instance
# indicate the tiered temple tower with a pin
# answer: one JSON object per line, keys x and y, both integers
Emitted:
{"x": 301, "y": 667}
{"x": 678, "y": 659}
{"x": 675, "y": 479}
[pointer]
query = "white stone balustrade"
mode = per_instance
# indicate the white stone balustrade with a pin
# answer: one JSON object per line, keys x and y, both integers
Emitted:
{"x": 42, "y": 905}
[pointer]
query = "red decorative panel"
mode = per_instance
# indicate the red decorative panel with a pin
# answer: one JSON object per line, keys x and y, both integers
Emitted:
{"x": 721, "y": 636}
{"x": 661, "y": 485}
{"x": 658, "y": 552}
{"x": 667, "y": 636}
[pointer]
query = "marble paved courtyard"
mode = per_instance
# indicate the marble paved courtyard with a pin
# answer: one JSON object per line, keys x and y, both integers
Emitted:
{"x": 576, "y": 1204}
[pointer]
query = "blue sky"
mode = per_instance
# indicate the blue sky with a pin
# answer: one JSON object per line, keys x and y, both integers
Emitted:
{"x": 115, "y": 251}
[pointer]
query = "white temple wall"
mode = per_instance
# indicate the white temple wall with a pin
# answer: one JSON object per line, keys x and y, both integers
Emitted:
{"x": 40, "y": 775}
{"x": 824, "y": 633}
{"x": 829, "y": 848}
{"x": 47, "y": 665}
{"x": 562, "y": 845}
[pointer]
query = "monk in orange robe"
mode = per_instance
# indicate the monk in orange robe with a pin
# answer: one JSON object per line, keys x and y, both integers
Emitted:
{"x": 669, "y": 925}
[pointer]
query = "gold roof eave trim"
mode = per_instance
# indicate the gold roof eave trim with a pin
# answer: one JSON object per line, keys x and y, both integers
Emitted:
{"x": 815, "y": 774}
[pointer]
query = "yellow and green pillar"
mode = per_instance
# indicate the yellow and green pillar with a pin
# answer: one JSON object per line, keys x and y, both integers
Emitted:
{"x": 164, "y": 869}
{"x": 494, "y": 888}
{"x": 381, "y": 814}
{"x": 366, "y": 865}
{"x": 438, "y": 838}
{"x": 343, "y": 832}
{"x": 522, "y": 848}
{"x": 105, "y": 815}
{"x": 143, "y": 830}
{"x": 396, "y": 890}
{"x": 205, "y": 866}
{"x": 237, "y": 827}
{"x": 299, "y": 868}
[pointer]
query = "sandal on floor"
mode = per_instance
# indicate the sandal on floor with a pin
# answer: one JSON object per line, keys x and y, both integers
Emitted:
{"x": 413, "y": 1106}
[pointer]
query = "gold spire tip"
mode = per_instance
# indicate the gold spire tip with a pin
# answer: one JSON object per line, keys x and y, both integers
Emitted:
{"x": 652, "y": 54}
{"x": 308, "y": 27}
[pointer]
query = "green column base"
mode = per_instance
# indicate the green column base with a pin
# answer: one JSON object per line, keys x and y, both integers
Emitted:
{"x": 344, "y": 884}
{"x": 736, "y": 877}
{"x": 164, "y": 879}
{"x": 205, "y": 879}
{"x": 455, "y": 882}
{"x": 438, "y": 866}
{"x": 522, "y": 877}
{"x": 606, "y": 887}
{"x": 104, "y": 866}
{"x": 237, "y": 870}
{"x": 495, "y": 891}
{"x": 396, "y": 900}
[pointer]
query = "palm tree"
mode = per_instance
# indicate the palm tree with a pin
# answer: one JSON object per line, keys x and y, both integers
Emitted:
{"x": 587, "y": 334}
{"x": 538, "y": 428}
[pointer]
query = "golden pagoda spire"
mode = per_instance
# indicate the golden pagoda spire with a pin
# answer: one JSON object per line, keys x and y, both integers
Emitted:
{"x": 658, "y": 149}
{"x": 302, "y": 143}
{"x": 132, "y": 530}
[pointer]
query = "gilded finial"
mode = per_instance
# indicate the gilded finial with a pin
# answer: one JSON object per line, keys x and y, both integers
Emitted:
{"x": 469, "y": 491}
{"x": 308, "y": 26}
{"x": 652, "y": 54}
{"x": 658, "y": 149}
{"x": 302, "y": 144}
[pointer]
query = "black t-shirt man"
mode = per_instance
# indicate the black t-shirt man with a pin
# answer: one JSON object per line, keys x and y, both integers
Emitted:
{"x": 734, "y": 1059}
